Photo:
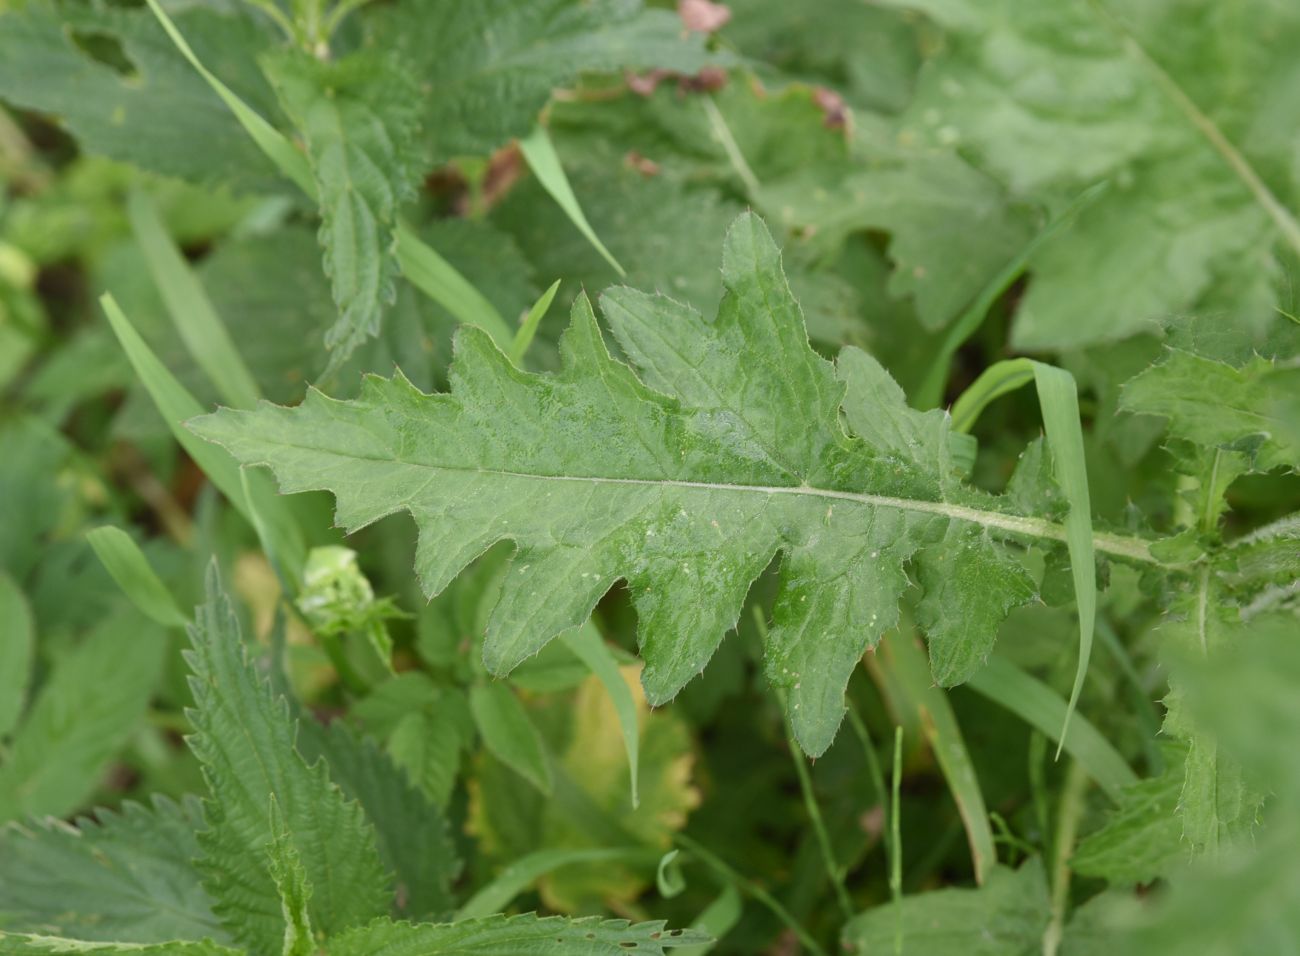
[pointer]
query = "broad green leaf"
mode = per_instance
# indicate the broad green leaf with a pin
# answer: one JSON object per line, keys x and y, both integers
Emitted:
{"x": 1118, "y": 91}
{"x": 90, "y": 704}
{"x": 542, "y": 159}
{"x": 1254, "y": 409}
{"x": 124, "y": 560}
{"x": 1005, "y": 917}
{"x": 1141, "y": 840}
{"x": 158, "y": 114}
{"x": 32, "y": 499}
{"x": 527, "y": 935}
{"x": 489, "y": 66}
{"x": 126, "y": 876}
{"x": 410, "y": 831}
{"x": 685, "y": 486}
{"x": 17, "y": 637}
{"x": 509, "y": 733}
{"x": 356, "y": 117}
{"x": 244, "y": 737}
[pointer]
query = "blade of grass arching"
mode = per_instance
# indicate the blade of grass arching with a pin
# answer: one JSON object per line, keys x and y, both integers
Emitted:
{"x": 730, "y": 875}
{"x": 282, "y": 536}
{"x": 1039, "y": 706}
{"x": 128, "y": 566}
{"x": 524, "y": 337}
{"x": 717, "y": 919}
{"x": 191, "y": 311}
{"x": 278, "y": 149}
{"x": 1058, "y": 402}
{"x": 930, "y": 393}
{"x": 438, "y": 279}
{"x": 902, "y": 654}
{"x": 543, "y": 160}
{"x": 590, "y": 648}
{"x": 527, "y": 870}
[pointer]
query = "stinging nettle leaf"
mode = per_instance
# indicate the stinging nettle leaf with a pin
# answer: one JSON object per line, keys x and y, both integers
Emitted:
{"x": 244, "y": 738}
{"x": 126, "y": 876}
{"x": 357, "y": 119}
{"x": 685, "y": 482}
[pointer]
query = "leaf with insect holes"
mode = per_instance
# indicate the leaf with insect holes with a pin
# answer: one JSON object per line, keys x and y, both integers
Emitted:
{"x": 686, "y": 482}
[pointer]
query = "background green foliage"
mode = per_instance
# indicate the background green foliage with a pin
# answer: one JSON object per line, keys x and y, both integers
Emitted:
{"x": 810, "y": 256}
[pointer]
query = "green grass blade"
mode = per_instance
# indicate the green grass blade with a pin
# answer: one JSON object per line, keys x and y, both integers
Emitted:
{"x": 524, "y": 337}
{"x": 177, "y": 405}
{"x": 191, "y": 311}
{"x": 17, "y": 641}
{"x": 1041, "y": 707}
{"x": 542, "y": 159}
{"x": 271, "y": 141}
{"x": 587, "y": 644}
{"x": 997, "y": 380}
{"x": 717, "y": 919}
{"x": 930, "y": 392}
{"x": 437, "y": 278}
{"x": 527, "y": 870}
{"x": 1058, "y": 400}
{"x": 905, "y": 657}
{"x": 128, "y": 566}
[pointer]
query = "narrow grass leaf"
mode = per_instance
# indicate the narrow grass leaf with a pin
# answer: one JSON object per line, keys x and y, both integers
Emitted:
{"x": 190, "y": 309}
{"x": 270, "y": 140}
{"x": 527, "y": 870}
{"x": 543, "y": 160}
{"x": 524, "y": 337}
{"x": 438, "y": 279}
{"x": 128, "y": 566}
{"x": 587, "y": 644}
{"x": 176, "y": 405}
{"x": 904, "y": 656}
{"x": 509, "y": 734}
{"x": 1058, "y": 400}
{"x": 1041, "y": 707}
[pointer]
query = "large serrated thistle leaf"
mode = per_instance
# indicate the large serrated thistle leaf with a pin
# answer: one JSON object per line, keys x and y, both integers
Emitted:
{"x": 244, "y": 738}
{"x": 685, "y": 482}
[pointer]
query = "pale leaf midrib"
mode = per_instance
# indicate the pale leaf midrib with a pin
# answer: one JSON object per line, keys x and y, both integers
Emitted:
{"x": 1134, "y": 549}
